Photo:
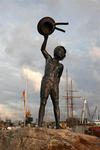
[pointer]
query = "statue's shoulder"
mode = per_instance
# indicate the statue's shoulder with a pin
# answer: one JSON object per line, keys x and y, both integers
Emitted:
{"x": 61, "y": 65}
{"x": 49, "y": 59}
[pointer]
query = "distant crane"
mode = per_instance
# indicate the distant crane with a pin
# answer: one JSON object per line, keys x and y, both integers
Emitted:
{"x": 28, "y": 117}
{"x": 94, "y": 113}
{"x": 95, "y": 117}
{"x": 85, "y": 107}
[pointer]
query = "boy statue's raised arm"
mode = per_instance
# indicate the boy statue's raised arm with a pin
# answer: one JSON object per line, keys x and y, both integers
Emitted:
{"x": 43, "y": 47}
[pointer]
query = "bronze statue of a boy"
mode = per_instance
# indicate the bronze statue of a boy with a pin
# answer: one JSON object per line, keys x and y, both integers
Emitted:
{"x": 50, "y": 81}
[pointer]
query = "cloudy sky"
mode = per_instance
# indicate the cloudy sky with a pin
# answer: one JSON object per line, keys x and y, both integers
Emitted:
{"x": 21, "y": 61}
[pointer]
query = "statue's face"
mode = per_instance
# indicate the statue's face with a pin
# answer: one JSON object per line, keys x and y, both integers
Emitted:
{"x": 59, "y": 52}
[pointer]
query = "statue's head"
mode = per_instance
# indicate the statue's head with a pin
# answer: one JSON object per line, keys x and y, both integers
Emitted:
{"x": 59, "y": 52}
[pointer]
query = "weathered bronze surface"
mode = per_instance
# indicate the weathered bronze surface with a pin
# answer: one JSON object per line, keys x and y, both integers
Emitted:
{"x": 50, "y": 80}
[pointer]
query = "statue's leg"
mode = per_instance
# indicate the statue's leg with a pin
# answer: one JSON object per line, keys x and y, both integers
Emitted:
{"x": 55, "y": 100}
{"x": 56, "y": 111}
{"x": 41, "y": 111}
{"x": 44, "y": 93}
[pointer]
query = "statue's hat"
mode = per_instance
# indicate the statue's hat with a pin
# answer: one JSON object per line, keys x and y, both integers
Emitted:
{"x": 47, "y": 25}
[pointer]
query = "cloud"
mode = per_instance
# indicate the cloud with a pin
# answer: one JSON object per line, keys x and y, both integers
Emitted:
{"x": 22, "y": 46}
{"x": 95, "y": 53}
{"x": 9, "y": 113}
{"x": 56, "y": 5}
{"x": 97, "y": 76}
{"x": 35, "y": 77}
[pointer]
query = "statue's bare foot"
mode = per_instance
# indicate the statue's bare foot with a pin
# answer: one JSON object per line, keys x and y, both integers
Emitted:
{"x": 58, "y": 127}
{"x": 40, "y": 125}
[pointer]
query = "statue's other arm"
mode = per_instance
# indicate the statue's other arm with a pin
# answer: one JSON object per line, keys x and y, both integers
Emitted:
{"x": 43, "y": 47}
{"x": 60, "y": 73}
